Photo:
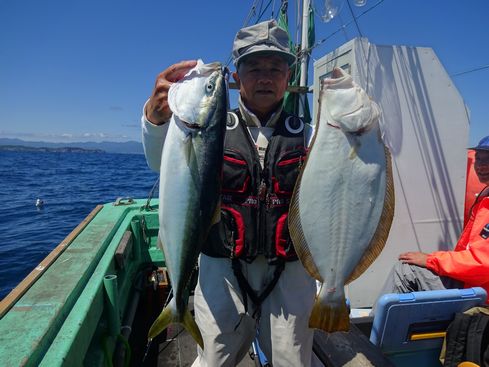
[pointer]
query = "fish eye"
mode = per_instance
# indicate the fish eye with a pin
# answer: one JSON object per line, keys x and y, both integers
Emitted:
{"x": 209, "y": 87}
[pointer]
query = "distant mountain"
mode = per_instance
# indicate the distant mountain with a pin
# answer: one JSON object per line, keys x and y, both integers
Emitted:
{"x": 129, "y": 147}
{"x": 25, "y": 148}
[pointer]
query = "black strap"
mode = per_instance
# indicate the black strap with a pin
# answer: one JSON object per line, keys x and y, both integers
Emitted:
{"x": 477, "y": 338}
{"x": 247, "y": 290}
{"x": 456, "y": 339}
{"x": 467, "y": 339}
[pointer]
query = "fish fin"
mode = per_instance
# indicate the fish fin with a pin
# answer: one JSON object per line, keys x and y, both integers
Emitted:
{"x": 330, "y": 316}
{"x": 169, "y": 316}
{"x": 190, "y": 325}
{"x": 162, "y": 322}
{"x": 297, "y": 234}
{"x": 382, "y": 232}
{"x": 294, "y": 220}
{"x": 188, "y": 149}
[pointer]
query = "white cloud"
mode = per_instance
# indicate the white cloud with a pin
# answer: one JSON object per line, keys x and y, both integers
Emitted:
{"x": 68, "y": 137}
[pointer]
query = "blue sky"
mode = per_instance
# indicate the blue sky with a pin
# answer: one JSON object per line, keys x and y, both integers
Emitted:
{"x": 82, "y": 70}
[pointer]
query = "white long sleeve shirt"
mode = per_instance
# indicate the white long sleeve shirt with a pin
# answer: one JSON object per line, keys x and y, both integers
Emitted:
{"x": 153, "y": 136}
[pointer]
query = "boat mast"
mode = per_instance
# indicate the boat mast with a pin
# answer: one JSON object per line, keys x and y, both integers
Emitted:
{"x": 304, "y": 55}
{"x": 304, "y": 44}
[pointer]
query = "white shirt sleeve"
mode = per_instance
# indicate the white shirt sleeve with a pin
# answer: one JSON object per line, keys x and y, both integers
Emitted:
{"x": 153, "y": 138}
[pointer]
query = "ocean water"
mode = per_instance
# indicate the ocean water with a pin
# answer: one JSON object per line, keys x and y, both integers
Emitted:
{"x": 71, "y": 185}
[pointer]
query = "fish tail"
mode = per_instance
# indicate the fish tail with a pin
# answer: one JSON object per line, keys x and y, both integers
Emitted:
{"x": 190, "y": 325}
{"x": 331, "y": 316}
{"x": 169, "y": 316}
{"x": 162, "y": 322}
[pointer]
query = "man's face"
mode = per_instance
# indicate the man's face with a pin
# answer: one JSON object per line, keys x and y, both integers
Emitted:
{"x": 262, "y": 82}
{"x": 481, "y": 165}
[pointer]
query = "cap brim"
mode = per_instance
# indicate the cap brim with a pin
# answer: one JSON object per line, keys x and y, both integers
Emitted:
{"x": 287, "y": 56}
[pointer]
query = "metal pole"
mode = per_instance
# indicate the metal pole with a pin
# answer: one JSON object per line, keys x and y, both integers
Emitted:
{"x": 304, "y": 55}
{"x": 304, "y": 43}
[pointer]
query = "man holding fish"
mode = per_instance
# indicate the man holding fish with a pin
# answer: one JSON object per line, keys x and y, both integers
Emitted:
{"x": 249, "y": 276}
{"x": 251, "y": 283}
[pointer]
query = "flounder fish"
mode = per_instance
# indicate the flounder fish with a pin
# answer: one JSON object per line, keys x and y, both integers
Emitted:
{"x": 343, "y": 202}
{"x": 190, "y": 182}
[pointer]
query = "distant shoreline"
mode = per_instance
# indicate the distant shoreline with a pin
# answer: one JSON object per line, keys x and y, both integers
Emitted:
{"x": 23, "y": 148}
{"x": 18, "y": 145}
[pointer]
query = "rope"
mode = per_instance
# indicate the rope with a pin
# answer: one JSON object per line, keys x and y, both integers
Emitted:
{"x": 320, "y": 42}
{"x": 147, "y": 206}
{"x": 251, "y": 13}
{"x": 263, "y": 12}
{"x": 471, "y": 70}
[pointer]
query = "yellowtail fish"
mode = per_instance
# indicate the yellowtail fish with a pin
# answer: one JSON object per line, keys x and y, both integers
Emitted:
{"x": 343, "y": 202}
{"x": 190, "y": 173}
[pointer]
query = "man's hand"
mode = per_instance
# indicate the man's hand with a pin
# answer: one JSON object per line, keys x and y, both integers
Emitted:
{"x": 414, "y": 258}
{"x": 157, "y": 110}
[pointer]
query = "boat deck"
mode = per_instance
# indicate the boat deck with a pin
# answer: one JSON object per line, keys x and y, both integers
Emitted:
{"x": 65, "y": 312}
{"x": 180, "y": 350}
{"x": 174, "y": 347}
{"x": 331, "y": 350}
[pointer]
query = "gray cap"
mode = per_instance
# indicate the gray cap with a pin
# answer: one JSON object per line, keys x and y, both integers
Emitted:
{"x": 264, "y": 37}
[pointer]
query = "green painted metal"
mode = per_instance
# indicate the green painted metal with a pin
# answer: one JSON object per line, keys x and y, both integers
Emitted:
{"x": 112, "y": 302}
{"x": 62, "y": 320}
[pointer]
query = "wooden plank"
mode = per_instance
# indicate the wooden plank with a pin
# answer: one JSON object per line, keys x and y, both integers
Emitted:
{"x": 350, "y": 348}
{"x": 7, "y": 303}
{"x": 124, "y": 250}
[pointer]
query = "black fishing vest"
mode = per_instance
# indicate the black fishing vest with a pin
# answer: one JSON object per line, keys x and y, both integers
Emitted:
{"x": 255, "y": 201}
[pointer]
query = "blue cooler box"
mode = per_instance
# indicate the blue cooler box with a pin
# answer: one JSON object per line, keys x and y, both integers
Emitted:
{"x": 409, "y": 328}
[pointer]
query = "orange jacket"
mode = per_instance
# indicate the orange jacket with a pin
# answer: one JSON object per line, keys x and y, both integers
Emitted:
{"x": 469, "y": 262}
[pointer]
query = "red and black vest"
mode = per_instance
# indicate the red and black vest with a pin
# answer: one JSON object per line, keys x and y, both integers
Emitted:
{"x": 255, "y": 201}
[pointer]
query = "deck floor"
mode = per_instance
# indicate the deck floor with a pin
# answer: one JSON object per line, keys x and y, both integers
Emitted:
{"x": 331, "y": 350}
{"x": 180, "y": 350}
{"x": 176, "y": 348}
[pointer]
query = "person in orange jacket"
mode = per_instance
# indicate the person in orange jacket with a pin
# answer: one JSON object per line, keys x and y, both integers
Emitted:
{"x": 468, "y": 264}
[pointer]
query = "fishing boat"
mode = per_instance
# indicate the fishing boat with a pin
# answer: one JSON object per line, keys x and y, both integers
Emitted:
{"x": 92, "y": 300}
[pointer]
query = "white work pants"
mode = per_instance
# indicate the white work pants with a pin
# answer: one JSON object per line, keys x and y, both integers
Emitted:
{"x": 228, "y": 331}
